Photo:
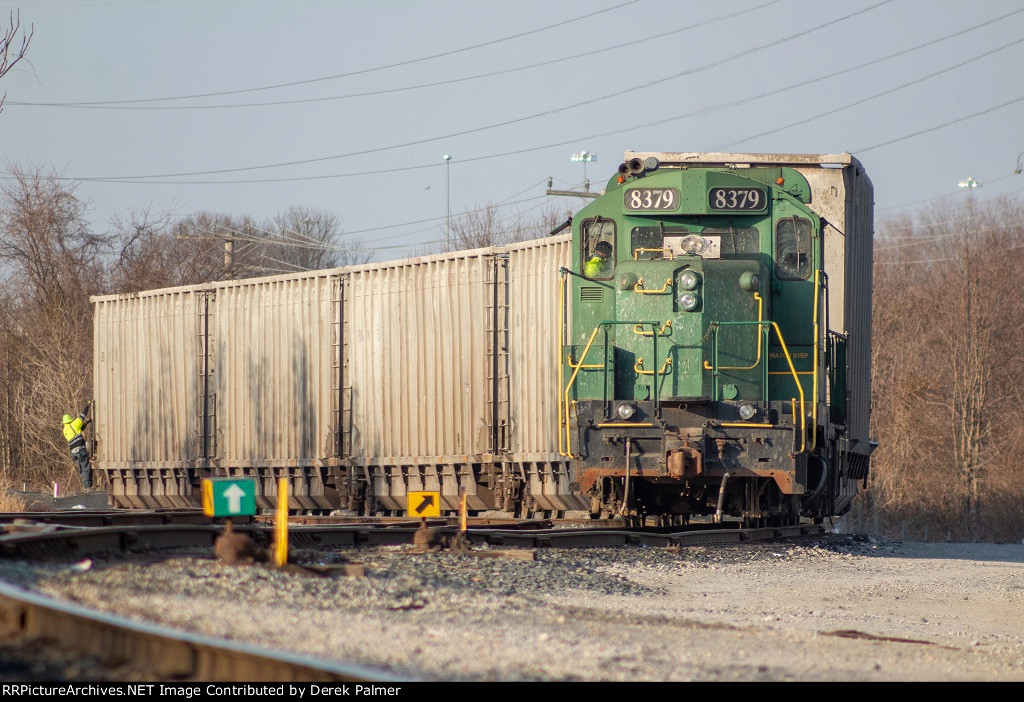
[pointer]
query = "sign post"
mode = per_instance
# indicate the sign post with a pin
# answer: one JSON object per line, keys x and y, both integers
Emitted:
{"x": 281, "y": 524}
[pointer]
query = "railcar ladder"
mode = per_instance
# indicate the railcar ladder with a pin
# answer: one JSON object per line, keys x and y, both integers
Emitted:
{"x": 496, "y": 342}
{"x": 206, "y": 397}
{"x": 341, "y": 390}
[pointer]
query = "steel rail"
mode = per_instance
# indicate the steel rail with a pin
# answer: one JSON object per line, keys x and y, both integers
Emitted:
{"x": 160, "y": 651}
{"x": 82, "y": 542}
{"x": 97, "y": 518}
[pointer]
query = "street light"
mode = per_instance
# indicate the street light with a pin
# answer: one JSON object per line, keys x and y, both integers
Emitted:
{"x": 969, "y": 183}
{"x": 585, "y": 157}
{"x": 448, "y": 195}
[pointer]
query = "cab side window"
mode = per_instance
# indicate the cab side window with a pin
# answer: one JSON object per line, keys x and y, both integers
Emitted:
{"x": 598, "y": 242}
{"x": 793, "y": 249}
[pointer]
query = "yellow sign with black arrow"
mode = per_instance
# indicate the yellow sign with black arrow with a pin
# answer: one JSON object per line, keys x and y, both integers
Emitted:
{"x": 424, "y": 504}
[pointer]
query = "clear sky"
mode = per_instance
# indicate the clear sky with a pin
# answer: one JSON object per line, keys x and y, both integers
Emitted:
{"x": 369, "y": 96}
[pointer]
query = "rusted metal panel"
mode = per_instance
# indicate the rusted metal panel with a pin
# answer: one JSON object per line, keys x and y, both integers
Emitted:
{"x": 535, "y": 330}
{"x": 417, "y": 337}
{"x": 146, "y": 367}
{"x": 273, "y": 370}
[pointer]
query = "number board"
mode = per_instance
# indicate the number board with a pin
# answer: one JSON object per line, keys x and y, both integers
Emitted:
{"x": 754, "y": 199}
{"x": 652, "y": 199}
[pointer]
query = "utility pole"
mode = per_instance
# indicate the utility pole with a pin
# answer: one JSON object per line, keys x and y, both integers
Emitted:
{"x": 570, "y": 193}
{"x": 448, "y": 197}
{"x": 229, "y": 257}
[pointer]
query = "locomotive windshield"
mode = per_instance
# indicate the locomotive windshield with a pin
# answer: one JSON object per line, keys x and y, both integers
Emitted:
{"x": 598, "y": 255}
{"x": 793, "y": 249}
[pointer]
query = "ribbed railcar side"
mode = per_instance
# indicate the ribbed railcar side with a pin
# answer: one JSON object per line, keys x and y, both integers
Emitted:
{"x": 859, "y": 286}
{"x": 535, "y": 338}
{"x": 147, "y": 369}
{"x": 423, "y": 366}
{"x": 274, "y": 361}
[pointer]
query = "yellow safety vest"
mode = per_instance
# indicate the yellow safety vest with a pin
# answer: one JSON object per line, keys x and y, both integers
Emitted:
{"x": 595, "y": 267}
{"x": 73, "y": 430}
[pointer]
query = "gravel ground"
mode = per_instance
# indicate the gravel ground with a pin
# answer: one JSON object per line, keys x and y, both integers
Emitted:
{"x": 838, "y": 608}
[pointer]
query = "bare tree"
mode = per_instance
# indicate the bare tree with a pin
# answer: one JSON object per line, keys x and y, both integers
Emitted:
{"x": 947, "y": 397}
{"x": 51, "y": 261}
{"x": 485, "y": 226}
{"x": 310, "y": 239}
{"x": 219, "y": 246}
{"x": 158, "y": 249}
{"x": 11, "y": 51}
{"x": 46, "y": 241}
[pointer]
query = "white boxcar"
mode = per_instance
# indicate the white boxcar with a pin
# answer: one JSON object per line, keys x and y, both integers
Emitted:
{"x": 148, "y": 376}
{"x": 273, "y": 354}
{"x": 358, "y": 384}
{"x": 419, "y": 367}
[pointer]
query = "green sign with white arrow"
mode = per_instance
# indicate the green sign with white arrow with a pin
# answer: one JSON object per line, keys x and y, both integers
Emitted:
{"x": 229, "y": 497}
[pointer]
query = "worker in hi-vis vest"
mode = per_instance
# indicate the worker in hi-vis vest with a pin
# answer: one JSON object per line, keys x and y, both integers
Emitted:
{"x": 76, "y": 442}
{"x": 600, "y": 262}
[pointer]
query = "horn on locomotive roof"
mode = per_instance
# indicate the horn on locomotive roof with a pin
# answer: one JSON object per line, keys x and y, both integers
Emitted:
{"x": 636, "y": 166}
{"x": 623, "y": 168}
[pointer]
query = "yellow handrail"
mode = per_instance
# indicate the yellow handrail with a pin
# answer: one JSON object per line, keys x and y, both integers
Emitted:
{"x": 662, "y": 251}
{"x": 580, "y": 365}
{"x": 817, "y": 339}
{"x": 639, "y": 365}
{"x": 760, "y": 318}
{"x": 558, "y": 356}
{"x": 572, "y": 379}
{"x": 666, "y": 327}
{"x": 638, "y": 288}
{"x": 799, "y": 387}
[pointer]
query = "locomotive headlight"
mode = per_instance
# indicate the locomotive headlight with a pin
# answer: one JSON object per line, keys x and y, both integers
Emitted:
{"x": 688, "y": 280}
{"x": 747, "y": 411}
{"x": 626, "y": 411}
{"x": 688, "y": 301}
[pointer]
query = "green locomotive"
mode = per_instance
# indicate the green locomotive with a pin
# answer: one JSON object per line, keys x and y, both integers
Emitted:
{"x": 715, "y": 347}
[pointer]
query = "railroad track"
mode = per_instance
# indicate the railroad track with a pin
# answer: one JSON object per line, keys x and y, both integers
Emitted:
{"x": 65, "y": 536}
{"x": 160, "y": 652}
{"x": 170, "y": 654}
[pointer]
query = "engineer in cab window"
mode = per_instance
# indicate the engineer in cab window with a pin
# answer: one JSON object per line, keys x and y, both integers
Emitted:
{"x": 600, "y": 263}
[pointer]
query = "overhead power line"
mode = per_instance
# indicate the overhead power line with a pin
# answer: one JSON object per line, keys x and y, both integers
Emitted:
{"x": 860, "y": 101}
{"x": 746, "y": 100}
{"x": 124, "y": 105}
{"x": 942, "y": 126}
{"x": 591, "y": 101}
{"x": 364, "y": 71}
{"x": 958, "y": 191}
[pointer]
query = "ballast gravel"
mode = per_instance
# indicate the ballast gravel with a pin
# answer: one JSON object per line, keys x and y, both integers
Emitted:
{"x": 837, "y": 608}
